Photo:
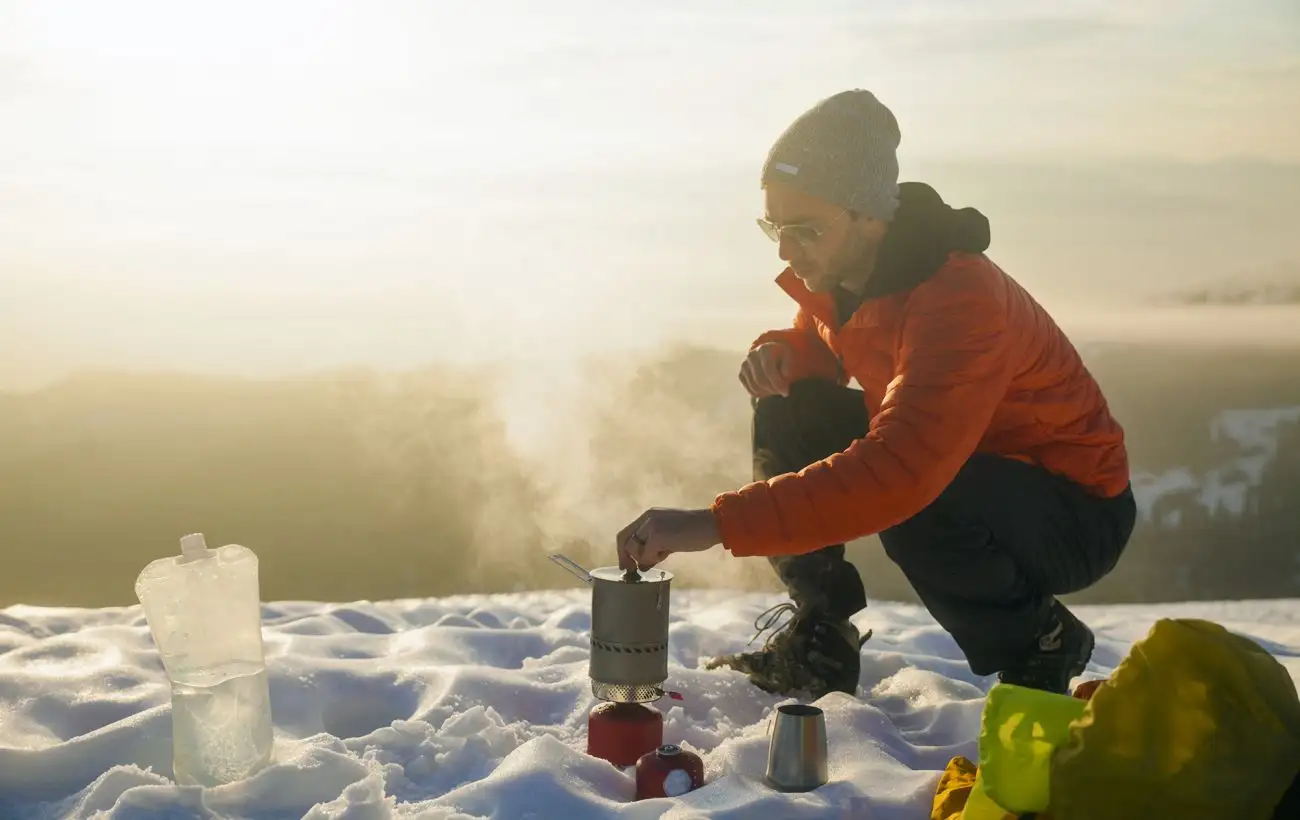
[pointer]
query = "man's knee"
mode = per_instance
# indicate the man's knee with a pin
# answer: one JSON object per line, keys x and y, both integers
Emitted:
{"x": 807, "y": 397}
{"x": 817, "y": 419}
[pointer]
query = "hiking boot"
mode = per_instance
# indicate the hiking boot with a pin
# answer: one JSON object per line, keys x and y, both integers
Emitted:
{"x": 807, "y": 653}
{"x": 1060, "y": 654}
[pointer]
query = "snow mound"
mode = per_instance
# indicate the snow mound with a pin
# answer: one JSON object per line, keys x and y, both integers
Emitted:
{"x": 476, "y": 707}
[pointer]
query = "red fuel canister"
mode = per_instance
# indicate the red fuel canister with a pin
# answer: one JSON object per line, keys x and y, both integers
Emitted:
{"x": 669, "y": 771}
{"x": 622, "y": 732}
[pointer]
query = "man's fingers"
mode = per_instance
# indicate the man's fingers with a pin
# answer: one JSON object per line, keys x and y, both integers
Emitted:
{"x": 648, "y": 554}
{"x": 628, "y": 547}
{"x": 784, "y": 369}
{"x": 762, "y": 375}
{"x": 631, "y": 555}
{"x": 747, "y": 379}
{"x": 641, "y": 553}
{"x": 750, "y": 377}
{"x": 634, "y": 543}
{"x": 764, "y": 378}
{"x": 773, "y": 366}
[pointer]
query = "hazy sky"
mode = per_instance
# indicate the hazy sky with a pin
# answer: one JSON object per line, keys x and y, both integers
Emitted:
{"x": 287, "y": 185}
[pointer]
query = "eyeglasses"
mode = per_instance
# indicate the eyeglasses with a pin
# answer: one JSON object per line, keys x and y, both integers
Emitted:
{"x": 805, "y": 235}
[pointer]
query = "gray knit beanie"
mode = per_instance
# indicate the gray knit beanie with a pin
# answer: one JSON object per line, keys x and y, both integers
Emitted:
{"x": 843, "y": 151}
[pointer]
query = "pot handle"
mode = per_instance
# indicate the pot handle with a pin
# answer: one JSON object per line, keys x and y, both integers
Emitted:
{"x": 572, "y": 567}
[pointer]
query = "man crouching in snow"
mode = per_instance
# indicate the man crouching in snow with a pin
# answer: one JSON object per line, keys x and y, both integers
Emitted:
{"x": 979, "y": 447}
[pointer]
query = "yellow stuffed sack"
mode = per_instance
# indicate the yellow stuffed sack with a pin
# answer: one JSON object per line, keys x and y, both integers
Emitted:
{"x": 1196, "y": 723}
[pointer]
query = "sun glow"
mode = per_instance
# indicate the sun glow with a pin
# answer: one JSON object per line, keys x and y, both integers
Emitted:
{"x": 325, "y": 183}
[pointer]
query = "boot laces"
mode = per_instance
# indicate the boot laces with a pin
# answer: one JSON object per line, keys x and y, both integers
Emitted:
{"x": 770, "y": 619}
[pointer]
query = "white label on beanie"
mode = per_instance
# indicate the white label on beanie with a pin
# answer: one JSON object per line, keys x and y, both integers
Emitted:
{"x": 786, "y": 169}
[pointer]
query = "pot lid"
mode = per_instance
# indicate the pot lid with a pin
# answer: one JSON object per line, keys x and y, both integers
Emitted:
{"x": 653, "y": 575}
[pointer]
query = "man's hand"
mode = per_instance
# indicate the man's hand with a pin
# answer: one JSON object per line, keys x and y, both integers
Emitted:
{"x": 659, "y": 532}
{"x": 766, "y": 371}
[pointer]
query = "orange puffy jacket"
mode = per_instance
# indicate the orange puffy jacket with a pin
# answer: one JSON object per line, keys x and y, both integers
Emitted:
{"x": 953, "y": 358}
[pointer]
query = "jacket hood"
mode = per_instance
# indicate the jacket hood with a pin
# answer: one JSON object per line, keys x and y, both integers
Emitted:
{"x": 922, "y": 235}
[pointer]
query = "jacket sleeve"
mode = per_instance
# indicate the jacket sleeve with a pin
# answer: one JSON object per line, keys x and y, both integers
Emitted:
{"x": 953, "y": 370}
{"x": 810, "y": 356}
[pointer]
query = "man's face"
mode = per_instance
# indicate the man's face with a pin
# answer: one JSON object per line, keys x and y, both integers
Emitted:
{"x": 822, "y": 242}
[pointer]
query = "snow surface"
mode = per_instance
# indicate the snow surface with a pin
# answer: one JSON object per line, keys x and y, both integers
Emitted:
{"x": 476, "y": 706}
{"x": 1224, "y": 489}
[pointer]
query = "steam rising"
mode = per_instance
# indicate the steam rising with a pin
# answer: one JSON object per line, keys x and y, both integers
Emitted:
{"x": 452, "y": 479}
{"x": 363, "y": 484}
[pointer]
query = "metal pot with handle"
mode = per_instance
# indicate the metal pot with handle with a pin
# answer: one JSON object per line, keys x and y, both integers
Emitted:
{"x": 629, "y": 631}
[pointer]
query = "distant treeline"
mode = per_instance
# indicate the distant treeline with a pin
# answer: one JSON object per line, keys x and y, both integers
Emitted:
{"x": 364, "y": 486}
{"x": 1279, "y": 285}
